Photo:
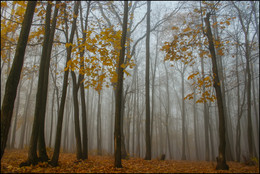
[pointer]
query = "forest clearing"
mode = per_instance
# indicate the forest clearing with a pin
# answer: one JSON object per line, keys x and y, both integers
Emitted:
{"x": 130, "y": 86}
{"x": 105, "y": 164}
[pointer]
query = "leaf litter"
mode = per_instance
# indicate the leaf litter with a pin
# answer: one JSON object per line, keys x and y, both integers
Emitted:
{"x": 105, "y": 164}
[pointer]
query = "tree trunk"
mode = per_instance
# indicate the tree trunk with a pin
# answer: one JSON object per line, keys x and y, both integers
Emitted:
{"x": 14, "y": 75}
{"x": 147, "y": 91}
{"x": 195, "y": 126}
{"x": 25, "y": 114}
{"x": 221, "y": 159}
{"x": 82, "y": 90}
{"x": 32, "y": 154}
{"x": 123, "y": 149}
{"x": 111, "y": 123}
{"x": 52, "y": 115}
{"x": 99, "y": 150}
{"x": 168, "y": 113}
{"x": 119, "y": 92}
{"x": 16, "y": 114}
{"x": 183, "y": 157}
{"x": 55, "y": 157}
{"x": 41, "y": 138}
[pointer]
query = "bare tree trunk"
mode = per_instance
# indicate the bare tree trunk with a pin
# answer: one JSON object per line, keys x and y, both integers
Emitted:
{"x": 41, "y": 137}
{"x": 153, "y": 83}
{"x": 138, "y": 149}
{"x": 99, "y": 126}
{"x": 255, "y": 112}
{"x": 168, "y": 112}
{"x": 111, "y": 123}
{"x": 14, "y": 75}
{"x": 195, "y": 126}
{"x": 147, "y": 91}
{"x": 119, "y": 92}
{"x": 183, "y": 117}
{"x": 16, "y": 114}
{"x": 52, "y": 115}
{"x": 25, "y": 114}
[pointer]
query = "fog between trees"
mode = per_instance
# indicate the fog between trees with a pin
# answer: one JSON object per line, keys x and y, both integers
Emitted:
{"x": 183, "y": 116}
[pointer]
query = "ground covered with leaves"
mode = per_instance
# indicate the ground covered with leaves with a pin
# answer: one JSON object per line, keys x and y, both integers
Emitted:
{"x": 105, "y": 164}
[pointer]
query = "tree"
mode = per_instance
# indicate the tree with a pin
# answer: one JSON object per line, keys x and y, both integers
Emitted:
{"x": 147, "y": 93}
{"x": 37, "y": 136}
{"x": 245, "y": 27}
{"x": 221, "y": 159}
{"x": 119, "y": 87}
{"x": 41, "y": 138}
{"x": 14, "y": 76}
{"x": 75, "y": 88}
{"x": 55, "y": 157}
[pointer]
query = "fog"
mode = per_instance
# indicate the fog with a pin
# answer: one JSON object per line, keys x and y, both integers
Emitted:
{"x": 170, "y": 82}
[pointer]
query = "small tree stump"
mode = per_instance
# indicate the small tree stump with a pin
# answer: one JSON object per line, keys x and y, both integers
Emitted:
{"x": 162, "y": 157}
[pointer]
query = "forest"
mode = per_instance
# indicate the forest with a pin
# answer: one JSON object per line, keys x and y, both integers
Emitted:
{"x": 130, "y": 86}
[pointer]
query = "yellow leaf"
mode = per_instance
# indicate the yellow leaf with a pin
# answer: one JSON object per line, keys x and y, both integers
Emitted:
{"x": 187, "y": 29}
{"x": 3, "y": 4}
{"x": 227, "y": 22}
{"x": 127, "y": 73}
{"x": 114, "y": 79}
{"x": 68, "y": 45}
{"x": 123, "y": 66}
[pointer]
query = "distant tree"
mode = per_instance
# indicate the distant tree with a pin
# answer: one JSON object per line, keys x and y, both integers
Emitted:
{"x": 245, "y": 24}
{"x": 14, "y": 75}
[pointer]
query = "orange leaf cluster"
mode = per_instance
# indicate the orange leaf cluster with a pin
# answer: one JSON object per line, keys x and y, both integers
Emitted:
{"x": 105, "y": 164}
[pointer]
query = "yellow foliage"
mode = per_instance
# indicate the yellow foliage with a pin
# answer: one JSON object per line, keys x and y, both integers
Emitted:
{"x": 127, "y": 73}
{"x": 114, "y": 79}
{"x": 187, "y": 29}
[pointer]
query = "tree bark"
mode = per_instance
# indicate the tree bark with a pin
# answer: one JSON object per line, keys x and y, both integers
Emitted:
{"x": 168, "y": 112}
{"x": 147, "y": 91}
{"x": 14, "y": 75}
{"x": 99, "y": 150}
{"x": 221, "y": 159}
{"x": 119, "y": 91}
{"x": 55, "y": 157}
{"x": 41, "y": 138}
{"x": 32, "y": 153}
{"x": 183, "y": 157}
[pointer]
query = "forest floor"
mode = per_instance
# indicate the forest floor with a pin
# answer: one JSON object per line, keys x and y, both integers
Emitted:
{"x": 105, "y": 164}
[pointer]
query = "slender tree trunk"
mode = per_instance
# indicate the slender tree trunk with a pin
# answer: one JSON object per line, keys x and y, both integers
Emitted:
{"x": 147, "y": 91}
{"x": 52, "y": 115}
{"x": 221, "y": 159}
{"x": 111, "y": 123}
{"x": 138, "y": 120}
{"x": 123, "y": 149}
{"x": 183, "y": 157}
{"x": 25, "y": 114}
{"x": 195, "y": 126}
{"x": 206, "y": 116}
{"x": 99, "y": 150}
{"x": 14, "y": 75}
{"x": 16, "y": 114}
{"x": 168, "y": 113}
{"x": 41, "y": 138}
{"x": 82, "y": 90}
{"x": 119, "y": 92}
